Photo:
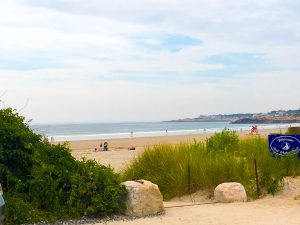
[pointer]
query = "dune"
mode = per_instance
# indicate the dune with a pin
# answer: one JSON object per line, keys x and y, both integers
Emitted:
{"x": 198, "y": 208}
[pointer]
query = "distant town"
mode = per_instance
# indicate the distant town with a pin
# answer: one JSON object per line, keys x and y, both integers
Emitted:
{"x": 276, "y": 116}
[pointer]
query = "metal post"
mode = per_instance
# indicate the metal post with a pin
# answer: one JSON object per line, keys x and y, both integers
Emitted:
{"x": 256, "y": 177}
{"x": 189, "y": 176}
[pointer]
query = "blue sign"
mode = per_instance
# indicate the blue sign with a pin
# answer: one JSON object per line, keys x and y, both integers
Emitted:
{"x": 280, "y": 144}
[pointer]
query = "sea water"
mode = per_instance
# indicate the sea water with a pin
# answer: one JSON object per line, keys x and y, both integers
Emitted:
{"x": 91, "y": 131}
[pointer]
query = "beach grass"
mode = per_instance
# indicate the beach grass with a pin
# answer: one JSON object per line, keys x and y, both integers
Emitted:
{"x": 189, "y": 167}
{"x": 293, "y": 130}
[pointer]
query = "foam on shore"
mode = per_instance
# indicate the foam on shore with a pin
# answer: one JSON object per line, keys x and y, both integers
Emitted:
{"x": 160, "y": 133}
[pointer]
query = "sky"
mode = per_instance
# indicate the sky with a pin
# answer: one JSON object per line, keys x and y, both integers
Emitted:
{"x": 148, "y": 60}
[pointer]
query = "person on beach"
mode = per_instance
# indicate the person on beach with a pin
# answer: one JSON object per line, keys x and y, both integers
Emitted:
{"x": 254, "y": 130}
{"x": 101, "y": 148}
{"x": 105, "y": 146}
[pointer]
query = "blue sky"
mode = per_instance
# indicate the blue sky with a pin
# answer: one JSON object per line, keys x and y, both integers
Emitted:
{"x": 168, "y": 42}
{"x": 119, "y": 60}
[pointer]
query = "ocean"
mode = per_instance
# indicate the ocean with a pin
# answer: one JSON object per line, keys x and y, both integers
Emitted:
{"x": 91, "y": 131}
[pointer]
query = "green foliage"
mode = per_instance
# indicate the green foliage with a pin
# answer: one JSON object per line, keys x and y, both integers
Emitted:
{"x": 17, "y": 143}
{"x": 293, "y": 130}
{"x": 18, "y": 211}
{"x": 225, "y": 141}
{"x": 212, "y": 164}
{"x": 43, "y": 182}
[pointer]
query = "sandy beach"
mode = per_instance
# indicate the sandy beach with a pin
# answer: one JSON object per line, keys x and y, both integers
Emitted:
{"x": 119, "y": 156}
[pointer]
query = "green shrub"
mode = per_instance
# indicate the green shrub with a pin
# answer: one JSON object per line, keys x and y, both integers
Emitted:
{"x": 42, "y": 181}
{"x": 17, "y": 144}
{"x": 293, "y": 130}
{"x": 224, "y": 141}
{"x": 18, "y": 211}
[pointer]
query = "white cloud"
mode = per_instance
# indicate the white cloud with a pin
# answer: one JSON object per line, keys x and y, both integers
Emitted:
{"x": 59, "y": 53}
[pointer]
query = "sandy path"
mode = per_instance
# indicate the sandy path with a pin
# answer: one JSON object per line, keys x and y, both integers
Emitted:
{"x": 119, "y": 155}
{"x": 258, "y": 213}
{"x": 253, "y": 213}
{"x": 283, "y": 209}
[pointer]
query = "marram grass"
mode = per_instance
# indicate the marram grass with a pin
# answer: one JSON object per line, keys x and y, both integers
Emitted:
{"x": 185, "y": 168}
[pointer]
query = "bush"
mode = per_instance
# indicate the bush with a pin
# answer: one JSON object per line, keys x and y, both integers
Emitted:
{"x": 17, "y": 144}
{"x": 18, "y": 211}
{"x": 293, "y": 130}
{"x": 224, "y": 141}
{"x": 42, "y": 181}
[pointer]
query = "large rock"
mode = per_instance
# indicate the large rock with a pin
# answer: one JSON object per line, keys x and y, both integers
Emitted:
{"x": 230, "y": 192}
{"x": 143, "y": 198}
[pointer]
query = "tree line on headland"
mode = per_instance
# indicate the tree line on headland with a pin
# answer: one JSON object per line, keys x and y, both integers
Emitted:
{"x": 275, "y": 116}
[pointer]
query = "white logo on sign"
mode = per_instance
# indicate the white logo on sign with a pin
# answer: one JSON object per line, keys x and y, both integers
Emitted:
{"x": 285, "y": 146}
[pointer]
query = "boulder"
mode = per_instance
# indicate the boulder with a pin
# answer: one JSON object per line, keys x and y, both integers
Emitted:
{"x": 230, "y": 192}
{"x": 143, "y": 198}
